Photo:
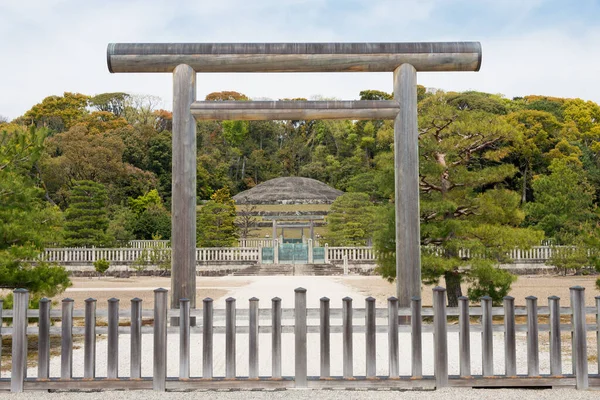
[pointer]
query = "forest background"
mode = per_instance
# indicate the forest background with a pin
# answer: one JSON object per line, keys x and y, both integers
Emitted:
{"x": 495, "y": 174}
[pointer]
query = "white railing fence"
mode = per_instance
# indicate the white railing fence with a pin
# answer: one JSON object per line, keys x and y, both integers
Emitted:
{"x": 389, "y": 339}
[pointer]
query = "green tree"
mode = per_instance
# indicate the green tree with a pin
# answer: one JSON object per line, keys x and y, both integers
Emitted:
{"x": 216, "y": 221}
{"x": 58, "y": 113}
{"x": 564, "y": 202}
{"x": 350, "y": 221}
{"x": 463, "y": 206}
{"x": 87, "y": 216}
{"x": 152, "y": 218}
{"x": 27, "y": 222}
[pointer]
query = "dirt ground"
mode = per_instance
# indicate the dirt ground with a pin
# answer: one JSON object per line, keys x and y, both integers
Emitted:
{"x": 541, "y": 286}
{"x": 126, "y": 289}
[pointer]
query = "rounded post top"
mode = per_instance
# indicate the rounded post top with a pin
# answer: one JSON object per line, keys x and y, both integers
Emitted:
{"x": 184, "y": 300}
{"x": 68, "y": 300}
{"x": 392, "y": 299}
{"x": 44, "y": 300}
{"x": 486, "y": 299}
{"x": 160, "y": 290}
{"x": 135, "y": 300}
{"x": 230, "y": 300}
{"x": 577, "y": 288}
{"x": 20, "y": 290}
{"x": 324, "y": 299}
{"x": 347, "y": 299}
{"x": 463, "y": 298}
{"x": 113, "y": 300}
{"x": 253, "y": 299}
{"x": 300, "y": 290}
{"x": 207, "y": 300}
{"x": 553, "y": 298}
{"x": 275, "y": 299}
{"x": 439, "y": 289}
{"x": 415, "y": 299}
{"x": 370, "y": 299}
{"x": 508, "y": 298}
{"x": 531, "y": 298}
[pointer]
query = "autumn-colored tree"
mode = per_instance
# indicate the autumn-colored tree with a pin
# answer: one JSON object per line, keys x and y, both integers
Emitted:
{"x": 58, "y": 113}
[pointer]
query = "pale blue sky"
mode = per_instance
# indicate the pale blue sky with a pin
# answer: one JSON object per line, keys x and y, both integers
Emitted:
{"x": 548, "y": 47}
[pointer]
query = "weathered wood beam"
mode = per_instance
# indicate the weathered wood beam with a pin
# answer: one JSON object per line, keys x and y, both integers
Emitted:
{"x": 183, "y": 201}
{"x": 293, "y": 57}
{"x": 294, "y": 110}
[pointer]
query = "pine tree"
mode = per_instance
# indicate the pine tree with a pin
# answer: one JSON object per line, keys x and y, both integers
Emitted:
{"x": 87, "y": 216}
{"x": 216, "y": 221}
{"x": 350, "y": 220}
{"x": 464, "y": 209}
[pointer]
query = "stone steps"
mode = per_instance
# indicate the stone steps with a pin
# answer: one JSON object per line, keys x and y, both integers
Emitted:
{"x": 291, "y": 270}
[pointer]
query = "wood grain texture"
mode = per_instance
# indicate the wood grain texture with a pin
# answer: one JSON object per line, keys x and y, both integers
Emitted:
{"x": 183, "y": 205}
{"x": 293, "y": 110}
{"x": 293, "y": 57}
{"x": 406, "y": 167}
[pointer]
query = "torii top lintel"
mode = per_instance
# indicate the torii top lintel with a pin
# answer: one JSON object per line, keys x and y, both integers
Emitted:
{"x": 293, "y": 57}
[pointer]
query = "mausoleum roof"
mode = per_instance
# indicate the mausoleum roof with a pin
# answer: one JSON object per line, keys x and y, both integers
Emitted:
{"x": 289, "y": 190}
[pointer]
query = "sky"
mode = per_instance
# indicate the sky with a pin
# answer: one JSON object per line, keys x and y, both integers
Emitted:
{"x": 544, "y": 47}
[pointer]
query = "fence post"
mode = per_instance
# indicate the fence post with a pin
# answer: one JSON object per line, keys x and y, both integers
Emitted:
{"x": 253, "y": 338}
{"x": 393, "y": 337}
{"x": 159, "y": 377}
{"x": 300, "y": 338}
{"x": 533, "y": 356}
{"x": 230, "y": 337}
{"x": 19, "y": 340}
{"x": 487, "y": 337}
{"x": 326, "y": 253}
{"x": 345, "y": 263}
{"x": 464, "y": 337}
{"x": 371, "y": 344}
{"x": 510, "y": 346}
{"x": 89, "y": 351}
{"x": 184, "y": 338}
{"x": 275, "y": 251}
{"x": 310, "y": 251}
{"x": 579, "y": 337}
{"x": 207, "y": 338}
{"x": 440, "y": 338}
{"x": 113, "y": 339}
{"x": 136, "y": 339}
{"x": 276, "y": 338}
{"x": 347, "y": 337}
{"x": 66, "y": 340}
{"x": 43, "y": 339}
{"x": 416, "y": 322}
{"x": 597, "y": 330}
{"x": 325, "y": 333}
{"x": 1, "y": 321}
{"x": 555, "y": 339}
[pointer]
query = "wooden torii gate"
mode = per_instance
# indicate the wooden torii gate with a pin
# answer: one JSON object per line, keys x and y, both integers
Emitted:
{"x": 184, "y": 60}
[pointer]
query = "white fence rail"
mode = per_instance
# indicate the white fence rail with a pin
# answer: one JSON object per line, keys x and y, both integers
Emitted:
{"x": 124, "y": 256}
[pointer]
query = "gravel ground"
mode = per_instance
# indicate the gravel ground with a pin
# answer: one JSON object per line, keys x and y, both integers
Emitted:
{"x": 443, "y": 394}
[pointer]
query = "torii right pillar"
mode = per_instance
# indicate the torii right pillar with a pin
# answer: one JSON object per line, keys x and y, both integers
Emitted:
{"x": 406, "y": 175}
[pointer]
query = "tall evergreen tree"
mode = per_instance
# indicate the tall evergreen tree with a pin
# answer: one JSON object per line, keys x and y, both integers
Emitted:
{"x": 463, "y": 205}
{"x": 27, "y": 222}
{"x": 350, "y": 220}
{"x": 216, "y": 221}
{"x": 87, "y": 216}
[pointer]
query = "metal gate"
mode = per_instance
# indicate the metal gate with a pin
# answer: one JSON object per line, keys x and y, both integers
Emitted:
{"x": 293, "y": 253}
{"x": 267, "y": 255}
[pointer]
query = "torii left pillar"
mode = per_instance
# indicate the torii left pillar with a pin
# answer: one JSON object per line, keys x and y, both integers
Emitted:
{"x": 183, "y": 201}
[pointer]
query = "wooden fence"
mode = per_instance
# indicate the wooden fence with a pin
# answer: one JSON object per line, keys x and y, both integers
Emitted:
{"x": 254, "y": 322}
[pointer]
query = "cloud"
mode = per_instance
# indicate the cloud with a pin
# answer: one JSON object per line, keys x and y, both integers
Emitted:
{"x": 53, "y": 46}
